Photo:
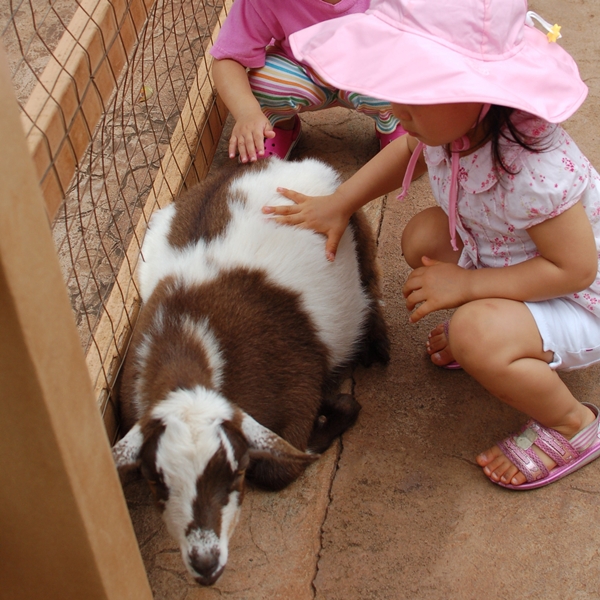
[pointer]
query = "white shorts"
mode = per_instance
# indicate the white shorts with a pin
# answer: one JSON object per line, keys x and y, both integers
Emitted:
{"x": 569, "y": 330}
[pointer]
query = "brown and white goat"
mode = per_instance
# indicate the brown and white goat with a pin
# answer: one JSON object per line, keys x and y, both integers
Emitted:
{"x": 243, "y": 329}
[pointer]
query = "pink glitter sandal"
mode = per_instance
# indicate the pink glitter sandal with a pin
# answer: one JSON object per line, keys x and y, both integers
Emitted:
{"x": 569, "y": 456}
{"x": 284, "y": 141}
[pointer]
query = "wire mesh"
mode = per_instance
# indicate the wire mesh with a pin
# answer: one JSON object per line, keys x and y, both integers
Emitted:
{"x": 106, "y": 91}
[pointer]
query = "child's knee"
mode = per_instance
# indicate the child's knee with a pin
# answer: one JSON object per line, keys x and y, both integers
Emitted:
{"x": 475, "y": 327}
{"x": 426, "y": 234}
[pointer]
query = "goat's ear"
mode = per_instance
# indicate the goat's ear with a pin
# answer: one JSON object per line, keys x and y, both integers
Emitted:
{"x": 262, "y": 439}
{"x": 276, "y": 463}
{"x": 126, "y": 452}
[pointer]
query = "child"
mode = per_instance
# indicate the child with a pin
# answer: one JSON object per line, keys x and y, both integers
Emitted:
{"x": 513, "y": 244}
{"x": 266, "y": 99}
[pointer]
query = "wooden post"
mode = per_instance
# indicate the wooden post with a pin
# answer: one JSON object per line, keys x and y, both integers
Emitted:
{"x": 65, "y": 532}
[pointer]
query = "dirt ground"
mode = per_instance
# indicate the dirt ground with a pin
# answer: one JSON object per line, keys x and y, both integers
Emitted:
{"x": 398, "y": 509}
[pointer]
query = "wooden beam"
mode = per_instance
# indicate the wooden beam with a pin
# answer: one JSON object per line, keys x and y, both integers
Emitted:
{"x": 66, "y": 531}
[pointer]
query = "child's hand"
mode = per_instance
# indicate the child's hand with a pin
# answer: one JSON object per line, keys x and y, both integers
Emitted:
{"x": 434, "y": 286}
{"x": 323, "y": 214}
{"x": 248, "y": 136}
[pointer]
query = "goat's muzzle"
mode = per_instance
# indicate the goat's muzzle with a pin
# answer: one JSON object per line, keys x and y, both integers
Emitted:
{"x": 206, "y": 567}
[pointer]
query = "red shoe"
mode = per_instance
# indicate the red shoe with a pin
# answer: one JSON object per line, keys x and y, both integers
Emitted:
{"x": 386, "y": 138}
{"x": 284, "y": 141}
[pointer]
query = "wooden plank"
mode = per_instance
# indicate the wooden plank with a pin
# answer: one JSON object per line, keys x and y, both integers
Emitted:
{"x": 201, "y": 109}
{"x": 66, "y": 531}
{"x": 77, "y": 82}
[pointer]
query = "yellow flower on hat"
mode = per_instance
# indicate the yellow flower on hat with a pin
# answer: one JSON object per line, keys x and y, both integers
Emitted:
{"x": 553, "y": 30}
{"x": 554, "y": 33}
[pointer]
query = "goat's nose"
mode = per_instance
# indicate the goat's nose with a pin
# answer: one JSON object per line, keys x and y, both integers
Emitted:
{"x": 206, "y": 565}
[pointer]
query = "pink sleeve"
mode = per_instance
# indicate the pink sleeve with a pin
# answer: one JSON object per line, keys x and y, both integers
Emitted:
{"x": 243, "y": 37}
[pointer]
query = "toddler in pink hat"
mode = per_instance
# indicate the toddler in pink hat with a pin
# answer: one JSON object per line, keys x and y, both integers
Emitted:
{"x": 514, "y": 240}
{"x": 265, "y": 87}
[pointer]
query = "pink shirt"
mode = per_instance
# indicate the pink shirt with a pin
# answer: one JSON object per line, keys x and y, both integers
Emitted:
{"x": 494, "y": 215}
{"x": 252, "y": 25}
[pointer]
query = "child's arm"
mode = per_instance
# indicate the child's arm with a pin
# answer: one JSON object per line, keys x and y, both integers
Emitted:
{"x": 568, "y": 263}
{"x": 330, "y": 214}
{"x": 251, "y": 125}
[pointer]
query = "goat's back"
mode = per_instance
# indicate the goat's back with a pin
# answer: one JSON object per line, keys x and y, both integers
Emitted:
{"x": 210, "y": 232}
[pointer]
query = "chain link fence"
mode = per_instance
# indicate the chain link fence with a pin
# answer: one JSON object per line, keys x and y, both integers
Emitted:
{"x": 120, "y": 114}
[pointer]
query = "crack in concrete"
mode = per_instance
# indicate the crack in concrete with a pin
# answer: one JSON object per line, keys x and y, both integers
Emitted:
{"x": 254, "y": 542}
{"x": 473, "y": 463}
{"x": 340, "y": 450}
{"x": 340, "y": 442}
{"x": 143, "y": 543}
{"x": 578, "y": 489}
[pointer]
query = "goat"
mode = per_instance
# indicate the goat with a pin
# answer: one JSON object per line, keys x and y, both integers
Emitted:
{"x": 244, "y": 329}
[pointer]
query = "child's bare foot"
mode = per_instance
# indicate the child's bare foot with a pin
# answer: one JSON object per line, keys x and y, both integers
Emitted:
{"x": 499, "y": 468}
{"x": 438, "y": 348}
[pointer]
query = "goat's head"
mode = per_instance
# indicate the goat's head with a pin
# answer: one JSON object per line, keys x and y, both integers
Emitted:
{"x": 193, "y": 449}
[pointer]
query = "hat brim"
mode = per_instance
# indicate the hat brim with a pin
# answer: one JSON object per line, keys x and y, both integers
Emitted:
{"x": 364, "y": 54}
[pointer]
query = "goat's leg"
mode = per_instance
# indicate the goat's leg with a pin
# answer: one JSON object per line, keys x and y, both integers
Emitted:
{"x": 376, "y": 344}
{"x": 337, "y": 414}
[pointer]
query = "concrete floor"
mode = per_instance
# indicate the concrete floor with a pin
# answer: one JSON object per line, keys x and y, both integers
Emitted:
{"x": 398, "y": 509}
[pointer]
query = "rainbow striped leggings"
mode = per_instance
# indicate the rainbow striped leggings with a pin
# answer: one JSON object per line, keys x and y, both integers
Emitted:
{"x": 284, "y": 87}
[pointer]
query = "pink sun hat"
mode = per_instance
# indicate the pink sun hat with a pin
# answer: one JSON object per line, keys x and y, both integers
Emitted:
{"x": 444, "y": 51}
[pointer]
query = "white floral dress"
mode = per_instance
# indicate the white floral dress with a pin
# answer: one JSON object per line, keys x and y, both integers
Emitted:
{"x": 494, "y": 212}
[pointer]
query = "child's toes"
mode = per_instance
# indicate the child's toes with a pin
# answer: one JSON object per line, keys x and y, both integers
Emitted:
{"x": 438, "y": 330}
{"x": 435, "y": 344}
{"x": 498, "y": 468}
{"x": 436, "y": 341}
{"x": 490, "y": 455}
{"x": 517, "y": 479}
{"x": 442, "y": 358}
{"x": 495, "y": 464}
{"x": 511, "y": 475}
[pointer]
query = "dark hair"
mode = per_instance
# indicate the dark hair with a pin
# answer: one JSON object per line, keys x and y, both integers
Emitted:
{"x": 499, "y": 126}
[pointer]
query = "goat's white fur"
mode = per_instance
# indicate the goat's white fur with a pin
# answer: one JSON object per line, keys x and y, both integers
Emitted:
{"x": 127, "y": 450}
{"x": 192, "y": 436}
{"x": 293, "y": 259}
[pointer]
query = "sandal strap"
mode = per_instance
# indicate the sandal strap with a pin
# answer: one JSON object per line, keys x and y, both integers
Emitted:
{"x": 526, "y": 460}
{"x": 553, "y": 444}
{"x": 586, "y": 437}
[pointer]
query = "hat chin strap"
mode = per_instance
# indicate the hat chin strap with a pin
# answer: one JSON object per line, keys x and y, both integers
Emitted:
{"x": 456, "y": 147}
